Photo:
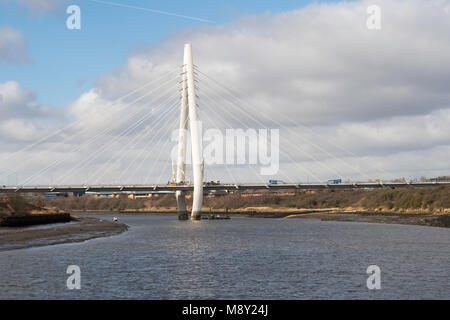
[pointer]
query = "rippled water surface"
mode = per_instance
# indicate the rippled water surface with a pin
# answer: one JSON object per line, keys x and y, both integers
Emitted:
{"x": 163, "y": 258}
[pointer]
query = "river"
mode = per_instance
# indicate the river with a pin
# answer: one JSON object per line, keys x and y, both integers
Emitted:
{"x": 160, "y": 257}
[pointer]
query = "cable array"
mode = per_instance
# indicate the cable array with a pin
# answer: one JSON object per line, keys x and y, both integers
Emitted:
{"x": 133, "y": 142}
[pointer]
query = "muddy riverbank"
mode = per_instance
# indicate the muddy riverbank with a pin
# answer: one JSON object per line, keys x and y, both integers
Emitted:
{"x": 330, "y": 214}
{"x": 430, "y": 220}
{"x": 80, "y": 229}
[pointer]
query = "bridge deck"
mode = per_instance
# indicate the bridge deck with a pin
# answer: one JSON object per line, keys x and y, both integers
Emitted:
{"x": 211, "y": 187}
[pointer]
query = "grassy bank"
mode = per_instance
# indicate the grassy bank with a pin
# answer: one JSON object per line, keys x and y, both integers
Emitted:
{"x": 17, "y": 205}
{"x": 429, "y": 200}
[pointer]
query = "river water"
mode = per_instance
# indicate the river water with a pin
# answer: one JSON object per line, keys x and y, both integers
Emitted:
{"x": 162, "y": 258}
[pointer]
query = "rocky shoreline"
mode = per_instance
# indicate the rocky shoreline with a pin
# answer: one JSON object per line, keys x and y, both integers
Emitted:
{"x": 81, "y": 229}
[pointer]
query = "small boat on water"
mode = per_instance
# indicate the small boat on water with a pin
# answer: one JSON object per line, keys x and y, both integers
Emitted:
{"x": 213, "y": 216}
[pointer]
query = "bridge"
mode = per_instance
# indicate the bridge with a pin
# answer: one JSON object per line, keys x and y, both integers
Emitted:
{"x": 216, "y": 187}
{"x": 128, "y": 145}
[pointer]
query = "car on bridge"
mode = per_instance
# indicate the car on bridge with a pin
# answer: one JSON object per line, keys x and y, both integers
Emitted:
{"x": 334, "y": 181}
{"x": 212, "y": 183}
{"x": 276, "y": 182}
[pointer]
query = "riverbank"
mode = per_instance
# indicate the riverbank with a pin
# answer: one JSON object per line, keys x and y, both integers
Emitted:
{"x": 338, "y": 214}
{"x": 326, "y": 214}
{"x": 419, "y": 219}
{"x": 34, "y": 219}
{"x": 251, "y": 212}
{"x": 81, "y": 229}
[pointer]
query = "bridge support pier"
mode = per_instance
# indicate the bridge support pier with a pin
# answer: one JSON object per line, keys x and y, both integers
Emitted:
{"x": 181, "y": 205}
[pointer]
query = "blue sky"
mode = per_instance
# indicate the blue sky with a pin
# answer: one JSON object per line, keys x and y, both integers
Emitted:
{"x": 65, "y": 63}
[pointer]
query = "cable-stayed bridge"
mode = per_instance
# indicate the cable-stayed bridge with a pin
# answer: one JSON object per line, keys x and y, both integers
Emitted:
{"x": 131, "y": 144}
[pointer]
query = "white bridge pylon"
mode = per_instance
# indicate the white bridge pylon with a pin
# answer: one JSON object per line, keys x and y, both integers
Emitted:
{"x": 189, "y": 109}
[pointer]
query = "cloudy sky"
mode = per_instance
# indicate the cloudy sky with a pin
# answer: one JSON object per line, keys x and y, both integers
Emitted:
{"x": 348, "y": 101}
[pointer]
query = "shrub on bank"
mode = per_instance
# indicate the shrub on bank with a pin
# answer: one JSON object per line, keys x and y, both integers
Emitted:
{"x": 429, "y": 199}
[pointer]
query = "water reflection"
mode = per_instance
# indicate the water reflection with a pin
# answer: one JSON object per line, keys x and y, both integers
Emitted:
{"x": 163, "y": 258}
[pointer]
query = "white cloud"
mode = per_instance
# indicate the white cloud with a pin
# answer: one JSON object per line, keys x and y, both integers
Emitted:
{"x": 22, "y": 118}
{"x": 19, "y": 102}
{"x": 13, "y": 47}
{"x": 18, "y": 129}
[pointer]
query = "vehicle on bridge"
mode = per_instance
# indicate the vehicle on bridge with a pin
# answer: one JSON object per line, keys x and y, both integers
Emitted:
{"x": 276, "y": 182}
{"x": 212, "y": 183}
{"x": 334, "y": 181}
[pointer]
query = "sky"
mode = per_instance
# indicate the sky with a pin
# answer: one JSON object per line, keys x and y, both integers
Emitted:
{"x": 108, "y": 35}
{"x": 349, "y": 101}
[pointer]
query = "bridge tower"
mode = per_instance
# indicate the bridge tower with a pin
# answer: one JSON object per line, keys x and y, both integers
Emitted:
{"x": 181, "y": 160}
{"x": 189, "y": 109}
